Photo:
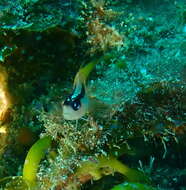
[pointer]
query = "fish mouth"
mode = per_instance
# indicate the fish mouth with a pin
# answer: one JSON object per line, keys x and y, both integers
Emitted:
{"x": 69, "y": 113}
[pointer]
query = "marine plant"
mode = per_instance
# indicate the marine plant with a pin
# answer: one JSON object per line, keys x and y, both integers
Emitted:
{"x": 140, "y": 77}
{"x": 90, "y": 169}
{"x": 132, "y": 186}
{"x": 106, "y": 165}
{"x": 32, "y": 160}
{"x": 31, "y": 164}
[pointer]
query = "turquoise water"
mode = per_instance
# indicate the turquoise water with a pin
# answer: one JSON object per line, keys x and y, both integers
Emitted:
{"x": 127, "y": 59}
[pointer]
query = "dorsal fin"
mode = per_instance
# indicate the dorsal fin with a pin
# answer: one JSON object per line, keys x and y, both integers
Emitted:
{"x": 84, "y": 72}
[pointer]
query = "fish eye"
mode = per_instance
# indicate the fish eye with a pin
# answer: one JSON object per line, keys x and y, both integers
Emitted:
{"x": 67, "y": 101}
{"x": 76, "y": 105}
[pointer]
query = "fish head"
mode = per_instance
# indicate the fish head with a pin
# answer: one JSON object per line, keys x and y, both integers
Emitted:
{"x": 75, "y": 109}
{"x": 75, "y": 106}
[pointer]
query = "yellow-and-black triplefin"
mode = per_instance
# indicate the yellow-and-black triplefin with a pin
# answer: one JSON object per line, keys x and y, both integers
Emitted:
{"x": 77, "y": 103}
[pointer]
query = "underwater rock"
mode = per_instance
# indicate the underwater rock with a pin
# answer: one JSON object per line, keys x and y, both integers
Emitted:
{"x": 36, "y": 15}
{"x": 140, "y": 76}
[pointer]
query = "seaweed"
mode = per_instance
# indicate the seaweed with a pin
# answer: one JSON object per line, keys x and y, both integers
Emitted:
{"x": 136, "y": 135}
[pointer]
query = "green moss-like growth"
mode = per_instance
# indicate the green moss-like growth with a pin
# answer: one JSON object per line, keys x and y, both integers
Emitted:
{"x": 132, "y": 186}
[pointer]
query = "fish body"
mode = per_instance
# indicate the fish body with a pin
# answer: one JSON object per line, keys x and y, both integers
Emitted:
{"x": 77, "y": 103}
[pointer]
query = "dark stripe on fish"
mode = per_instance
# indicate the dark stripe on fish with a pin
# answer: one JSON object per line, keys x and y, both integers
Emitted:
{"x": 75, "y": 102}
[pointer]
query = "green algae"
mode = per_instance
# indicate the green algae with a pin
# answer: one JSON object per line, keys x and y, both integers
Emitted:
{"x": 106, "y": 165}
{"x": 30, "y": 168}
{"x": 33, "y": 159}
{"x": 143, "y": 81}
{"x": 132, "y": 186}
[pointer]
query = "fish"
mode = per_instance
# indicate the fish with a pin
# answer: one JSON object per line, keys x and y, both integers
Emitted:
{"x": 77, "y": 104}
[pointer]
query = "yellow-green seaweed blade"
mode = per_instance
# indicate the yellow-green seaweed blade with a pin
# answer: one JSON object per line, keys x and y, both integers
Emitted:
{"x": 33, "y": 158}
